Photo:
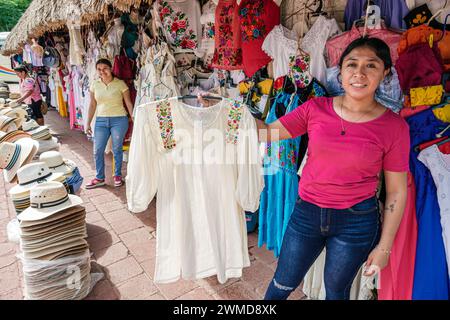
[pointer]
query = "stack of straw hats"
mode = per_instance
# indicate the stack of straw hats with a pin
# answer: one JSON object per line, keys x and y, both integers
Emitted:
{"x": 53, "y": 240}
{"x": 30, "y": 176}
{"x": 42, "y": 134}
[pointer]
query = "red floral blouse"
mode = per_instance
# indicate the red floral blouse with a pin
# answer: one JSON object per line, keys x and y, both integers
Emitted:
{"x": 256, "y": 20}
{"x": 228, "y": 51}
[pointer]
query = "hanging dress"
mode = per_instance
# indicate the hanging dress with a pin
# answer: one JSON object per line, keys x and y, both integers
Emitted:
{"x": 431, "y": 280}
{"x": 280, "y": 169}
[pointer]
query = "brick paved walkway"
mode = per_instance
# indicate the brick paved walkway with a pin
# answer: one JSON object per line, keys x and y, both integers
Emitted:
{"x": 124, "y": 243}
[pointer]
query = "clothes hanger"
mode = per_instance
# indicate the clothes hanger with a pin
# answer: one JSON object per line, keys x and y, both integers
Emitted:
{"x": 425, "y": 145}
{"x": 190, "y": 96}
{"x": 440, "y": 143}
{"x": 306, "y": 6}
{"x": 438, "y": 13}
{"x": 441, "y": 134}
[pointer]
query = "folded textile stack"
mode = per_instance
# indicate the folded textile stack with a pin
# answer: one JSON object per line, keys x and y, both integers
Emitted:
{"x": 55, "y": 254}
{"x": 30, "y": 176}
{"x": 67, "y": 167}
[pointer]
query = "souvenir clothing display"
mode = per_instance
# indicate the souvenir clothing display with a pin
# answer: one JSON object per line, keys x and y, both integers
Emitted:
{"x": 281, "y": 55}
{"x": 314, "y": 43}
{"x": 280, "y": 171}
{"x": 397, "y": 278}
{"x": 196, "y": 237}
{"x": 392, "y": 12}
{"x": 336, "y": 45}
{"x": 180, "y": 22}
{"x": 430, "y": 252}
{"x": 208, "y": 30}
{"x": 256, "y": 20}
{"x": 228, "y": 50}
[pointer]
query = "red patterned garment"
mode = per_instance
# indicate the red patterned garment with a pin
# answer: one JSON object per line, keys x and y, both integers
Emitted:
{"x": 228, "y": 51}
{"x": 256, "y": 20}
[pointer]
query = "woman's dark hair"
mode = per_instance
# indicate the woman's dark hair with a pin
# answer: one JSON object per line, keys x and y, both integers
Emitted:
{"x": 21, "y": 69}
{"x": 103, "y": 61}
{"x": 380, "y": 48}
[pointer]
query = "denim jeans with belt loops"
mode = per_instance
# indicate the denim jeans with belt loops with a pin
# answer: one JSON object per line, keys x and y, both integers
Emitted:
{"x": 348, "y": 235}
{"x": 116, "y": 127}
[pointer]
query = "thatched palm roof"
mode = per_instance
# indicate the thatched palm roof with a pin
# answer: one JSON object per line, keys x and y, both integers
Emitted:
{"x": 50, "y": 15}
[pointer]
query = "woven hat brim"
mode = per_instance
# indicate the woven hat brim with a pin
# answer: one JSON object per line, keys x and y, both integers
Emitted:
{"x": 17, "y": 189}
{"x": 33, "y": 214}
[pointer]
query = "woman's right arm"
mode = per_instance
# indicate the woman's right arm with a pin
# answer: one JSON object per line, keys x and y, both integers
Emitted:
{"x": 272, "y": 132}
{"x": 92, "y": 108}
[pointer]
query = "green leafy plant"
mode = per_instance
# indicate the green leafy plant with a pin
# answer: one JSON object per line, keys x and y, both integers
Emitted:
{"x": 11, "y": 11}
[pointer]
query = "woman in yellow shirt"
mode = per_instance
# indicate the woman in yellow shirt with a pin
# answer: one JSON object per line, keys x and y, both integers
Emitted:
{"x": 107, "y": 97}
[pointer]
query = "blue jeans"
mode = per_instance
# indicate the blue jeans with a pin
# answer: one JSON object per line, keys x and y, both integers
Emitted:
{"x": 349, "y": 236}
{"x": 116, "y": 127}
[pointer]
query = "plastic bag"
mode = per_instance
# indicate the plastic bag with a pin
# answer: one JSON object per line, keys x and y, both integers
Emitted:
{"x": 68, "y": 278}
{"x": 13, "y": 231}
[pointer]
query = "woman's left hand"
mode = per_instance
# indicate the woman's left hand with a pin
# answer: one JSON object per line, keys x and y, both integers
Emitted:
{"x": 376, "y": 262}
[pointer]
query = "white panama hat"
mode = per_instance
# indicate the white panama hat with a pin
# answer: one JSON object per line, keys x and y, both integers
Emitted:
{"x": 31, "y": 175}
{"x": 57, "y": 163}
{"x": 16, "y": 154}
{"x": 47, "y": 199}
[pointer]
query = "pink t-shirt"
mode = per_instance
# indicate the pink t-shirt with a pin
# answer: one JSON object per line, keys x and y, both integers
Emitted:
{"x": 343, "y": 170}
{"x": 27, "y": 85}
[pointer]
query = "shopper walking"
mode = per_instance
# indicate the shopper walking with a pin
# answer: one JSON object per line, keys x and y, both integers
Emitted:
{"x": 107, "y": 103}
{"x": 352, "y": 139}
{"x": 30, "y": 94}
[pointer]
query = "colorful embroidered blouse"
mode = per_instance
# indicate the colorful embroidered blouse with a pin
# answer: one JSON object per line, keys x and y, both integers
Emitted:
{"x": 205, "y": 165}
{"x": 228, "y": 51}
{"x": 180, "y": 21}
{"x": 256, "y": 20}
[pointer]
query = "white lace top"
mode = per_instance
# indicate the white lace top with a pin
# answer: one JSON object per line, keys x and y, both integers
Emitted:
{"x": 280, "y": 44}
{"x": 314, "y": 44}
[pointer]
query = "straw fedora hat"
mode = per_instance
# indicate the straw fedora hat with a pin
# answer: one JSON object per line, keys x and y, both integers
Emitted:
{"x": 57, "y": 163}
{"x": 7, "y": 124}
{"x": 14, "y": 155}
{"x": 31, "y": 175}
{"x": 19, "y": 115}
{"x": 13, "y": 136}
{"x": 47, "y": 199}
{"x": 33, "y": 128}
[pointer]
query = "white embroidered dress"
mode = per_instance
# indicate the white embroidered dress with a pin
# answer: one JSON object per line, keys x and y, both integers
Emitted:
{"x": 205, "y": 165}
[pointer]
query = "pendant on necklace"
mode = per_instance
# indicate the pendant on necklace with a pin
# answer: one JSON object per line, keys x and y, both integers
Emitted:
{"x": 342, "y": 132}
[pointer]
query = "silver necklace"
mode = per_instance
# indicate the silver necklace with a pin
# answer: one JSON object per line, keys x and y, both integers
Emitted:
{"x": 343, "y": 130}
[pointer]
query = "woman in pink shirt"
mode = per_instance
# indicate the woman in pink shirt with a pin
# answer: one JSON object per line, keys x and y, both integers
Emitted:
{"x": 352, "y": 139}
{"x": 30, "y": 94}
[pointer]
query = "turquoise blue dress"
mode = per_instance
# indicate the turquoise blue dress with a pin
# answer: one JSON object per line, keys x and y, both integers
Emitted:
{"x": 280, "y": 169}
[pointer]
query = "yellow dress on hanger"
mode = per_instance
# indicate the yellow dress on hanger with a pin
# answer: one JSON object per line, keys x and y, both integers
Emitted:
{"x": 62, "y": 106}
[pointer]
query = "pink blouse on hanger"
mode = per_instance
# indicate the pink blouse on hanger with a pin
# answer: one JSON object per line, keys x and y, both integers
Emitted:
{"x": 337, "y": 45}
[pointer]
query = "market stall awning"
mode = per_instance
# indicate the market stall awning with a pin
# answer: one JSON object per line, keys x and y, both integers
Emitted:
{"x": 50, "y": 15}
